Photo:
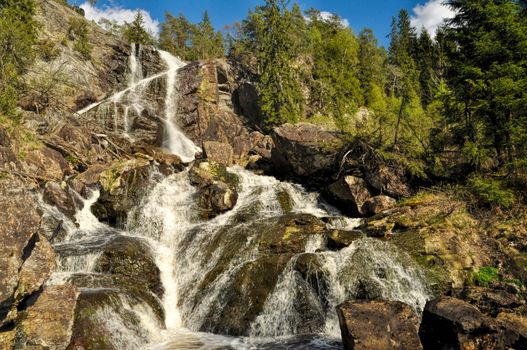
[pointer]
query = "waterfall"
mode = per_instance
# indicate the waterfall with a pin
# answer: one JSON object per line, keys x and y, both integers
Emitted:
{"x": 175, "y": 141}
{"x": 199, "y": 261}
{"x": 133, "y": 98}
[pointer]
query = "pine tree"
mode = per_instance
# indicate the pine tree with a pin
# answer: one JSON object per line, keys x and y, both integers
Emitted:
{"x": 372, "y": 75}
{"x": 175, "y": 35}
{"x": 135, "y": 32}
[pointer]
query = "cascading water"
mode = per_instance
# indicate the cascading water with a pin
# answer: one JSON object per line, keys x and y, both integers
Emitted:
{"x": 175, "y": 140}
{"x": 200, "y": 262}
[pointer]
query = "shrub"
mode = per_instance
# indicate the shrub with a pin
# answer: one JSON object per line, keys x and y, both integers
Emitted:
{"x": 79, "y": 32}
{"x": 485, "y": 276}
{"x": 491, "y": 192}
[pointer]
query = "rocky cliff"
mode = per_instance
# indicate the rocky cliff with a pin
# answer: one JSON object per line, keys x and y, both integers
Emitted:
{"x": 99, "y": 124}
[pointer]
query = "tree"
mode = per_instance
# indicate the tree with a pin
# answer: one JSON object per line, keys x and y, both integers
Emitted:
{"x": 18, "y": 35}
{"x": 135, "y": 32}
{"x": 372, "y": 75}
{"x": 488, "y": 76}
{"x": 280, "y": 96}
{"x": 175, "y": 35}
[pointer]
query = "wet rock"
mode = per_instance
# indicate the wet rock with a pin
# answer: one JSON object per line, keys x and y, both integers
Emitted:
{"x": 338, "y": 239}
{"x": 246, "y": 102}
{"x": 243, "y": 296}
{"x": 48, "y": 321}
{"x": 306, "y": 151}
{"x": 377, "y": 325}
{"x": 59, "y": 197}
{"x": 123, "y": 185}
{"x": 126, "y": 285}
{"x": 454, "y": 324}
{"x": 311, "y": 270}
{"x": 107, "y": 319}
{"x": 350, "y": 193}
{"x": 217, "y": 188}
{"x": 377, "y": 204}
{"x": 132, "y": 258}
{"x": 218, "y": 152}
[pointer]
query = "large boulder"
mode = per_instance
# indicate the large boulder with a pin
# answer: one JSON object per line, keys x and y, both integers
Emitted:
{"x": 217, "y": 188}
{"x": 377, "y": 205}
{"x": 251, "y": 279}
{"x": 26, "y": 258}
{"x": 306, "y": 151}
{"x": 450, "y": 323}
{"x": 378, "y": 325}
{"x": 48, "y": 322}
{"x": 351, "y": 193}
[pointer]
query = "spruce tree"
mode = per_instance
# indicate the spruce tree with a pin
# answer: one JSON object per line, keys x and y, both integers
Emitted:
{"x": 135, "y": 32}
{"x": 280, "y": 96}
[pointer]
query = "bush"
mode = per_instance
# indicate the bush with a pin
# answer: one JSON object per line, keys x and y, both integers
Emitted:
{"x": 79, "y": 32}
{"x": 491, "y": 192}
{"x": 485, "y": 276}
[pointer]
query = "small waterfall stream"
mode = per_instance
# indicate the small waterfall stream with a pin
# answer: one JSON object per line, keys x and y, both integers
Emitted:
{"x": 200, "y": 261}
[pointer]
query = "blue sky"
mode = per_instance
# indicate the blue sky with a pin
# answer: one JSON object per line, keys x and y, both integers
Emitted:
{"x": 375, "y": 14}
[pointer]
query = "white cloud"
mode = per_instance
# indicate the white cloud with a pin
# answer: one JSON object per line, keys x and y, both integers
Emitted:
{"x": 120, "y": 15}
{"x": 430, "y": 15}
{"x": 327, "y": 15}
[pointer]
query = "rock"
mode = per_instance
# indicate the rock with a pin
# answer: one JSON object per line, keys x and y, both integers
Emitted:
{"x": 515, "y": 330}
{"x": 206, "y": 111}
{"x": 242, "y": 297}
{"x": 132, "y": 258}
{"x": 49, "y": 320}
{"x": 377, "y": 325}
{"x": 56, "y": 196}
{"x": 491, "y": 301}
{"x": 377, "y": 204}
{"x": 26, "y": 259}
{"x": 123, "y": 184}
{"x": 246, "y": 103}
{"x": 450, "y": 323}
{"x": 106, "y": 319}
{"x": 46, "y": 164}
{"x": 338, "y": 239}
{"x": 389, "y": 179}
{"x": 218, "y": 152}
{"x": 37, "y": 268}
{"x": 217, "y": 188}
{"x": 305, "y": 151}
{"x": 350, "y": 193}
{"x": 378, "y": 227}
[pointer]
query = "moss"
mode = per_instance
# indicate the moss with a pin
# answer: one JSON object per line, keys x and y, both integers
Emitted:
{"x": 485, "y": 276}
{"x": 285, "y": 200}
{"x": 73, "y": 160}
{"x": 421, "y": 198}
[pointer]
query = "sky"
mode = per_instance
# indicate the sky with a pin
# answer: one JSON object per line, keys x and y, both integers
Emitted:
{"x": 358, "y": 14}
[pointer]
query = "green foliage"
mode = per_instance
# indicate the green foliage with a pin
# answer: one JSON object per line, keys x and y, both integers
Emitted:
{"x": 485, "y": 276}
{"x": 281, "y": 99}
{"x": 492, "y": 192}
{"x": 78, "y": 31}
{"x": 135, "y": 33}
{"x": 191, "y": 41}
{"x": 18, "y": 35}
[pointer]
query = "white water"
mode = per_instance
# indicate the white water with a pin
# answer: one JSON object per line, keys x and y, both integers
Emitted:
{"x": 133, "y": 98}
{"x": 186, "y": 249}
{"x": 175, "y": 141}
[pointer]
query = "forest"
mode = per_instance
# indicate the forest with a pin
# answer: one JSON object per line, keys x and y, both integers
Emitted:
{"x": 451, "y": 107}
